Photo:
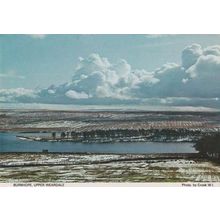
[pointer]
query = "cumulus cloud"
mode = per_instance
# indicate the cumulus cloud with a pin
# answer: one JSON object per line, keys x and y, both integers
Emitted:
{"x": 97, "y": 80}
{"x": 13, "y": 95}
{"x": 212, "y": 50}
{"x": 76, "y": 95}
{"x": 18, "y": 92}
{"x": 206, "y": 66}
{"x": 190, "y": 55}
{"x": 96, "y": 77}
{"x": 204, "y": 76}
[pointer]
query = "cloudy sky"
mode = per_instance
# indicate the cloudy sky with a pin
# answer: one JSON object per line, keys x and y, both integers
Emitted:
{"x": 111, "y": 69}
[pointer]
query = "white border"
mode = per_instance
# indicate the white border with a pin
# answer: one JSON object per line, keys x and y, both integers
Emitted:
{"x": 110, "y": 16}
{"x": 113, "y": 184}
{"x": 109, "y": 203}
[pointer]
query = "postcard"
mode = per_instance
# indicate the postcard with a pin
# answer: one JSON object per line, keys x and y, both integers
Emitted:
{"x": 109, "y": 109}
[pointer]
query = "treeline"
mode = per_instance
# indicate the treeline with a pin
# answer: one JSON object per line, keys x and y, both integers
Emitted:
{"x": 117, "y": 133}
{"x": 209, "y": 144}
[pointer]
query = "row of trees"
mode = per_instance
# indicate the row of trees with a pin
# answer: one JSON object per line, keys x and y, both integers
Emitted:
{"x": 113, "y": 133}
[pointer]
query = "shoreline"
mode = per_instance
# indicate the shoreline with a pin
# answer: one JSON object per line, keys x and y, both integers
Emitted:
{"x": 99, "y": 141}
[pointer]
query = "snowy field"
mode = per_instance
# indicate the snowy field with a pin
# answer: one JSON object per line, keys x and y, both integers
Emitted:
{"x": 70, "y": 168}
{"x": 86, "y": 121}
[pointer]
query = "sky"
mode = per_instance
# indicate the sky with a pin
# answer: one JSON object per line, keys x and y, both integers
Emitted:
{"x": 91, "y": 68}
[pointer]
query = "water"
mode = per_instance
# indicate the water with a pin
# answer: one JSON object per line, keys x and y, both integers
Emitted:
{"x": 9, "y": 143}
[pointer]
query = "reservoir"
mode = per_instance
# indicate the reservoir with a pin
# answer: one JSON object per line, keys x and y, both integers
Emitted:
{"x": 10, "y": 143}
